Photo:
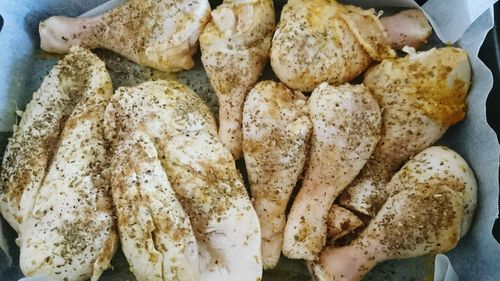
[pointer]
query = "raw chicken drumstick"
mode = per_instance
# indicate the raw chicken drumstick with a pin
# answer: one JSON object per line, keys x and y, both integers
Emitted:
{"x": 421, "y": 95}
{"x": 323, "y": 41}
{"x": 235, "y": 48}
{"x": 162, "y": 34}
{"x": 276, "y": 131}
{"x": 200, "y": 170}
{"x": 68, "y": 233}
{"x": 431, "y": 204}
{"x": 435, "y": 164}
{"x": 346, "y": 128}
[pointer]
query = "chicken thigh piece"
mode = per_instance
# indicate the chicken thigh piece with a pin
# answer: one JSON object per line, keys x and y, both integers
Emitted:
{"x": 234, "y": 50}
{"x": 162, "y": 34}
{"x": 431, "y": 205}
{"x": 202, "y": 173}
{"x": 346, "y": 128}
{"x": 70, "y": 233}
{"x": 324, "y": 41}
{"x": 421, "y": 95}
{"x": 436, "y": 164}
{"x": 276, "y": 131}
{"x": 33, "y": 144}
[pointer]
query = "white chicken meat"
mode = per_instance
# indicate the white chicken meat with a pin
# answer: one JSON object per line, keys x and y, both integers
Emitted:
{"x": 341, "y": 222}
{"x": 276, "y": 131}
{"x": 202, "y": 173}
{"x": 161, "y": 34}
{"x": 69, "y": 234}
{"x": 155, "y": 232}
{"x": 235, "y": 48}
{"x": 421, "y": 96}
{"x": 430, "y": 207}
{"x": 32, "y": 146}
{"x": 346, "y": 128}
{"x": 324, "y": 41}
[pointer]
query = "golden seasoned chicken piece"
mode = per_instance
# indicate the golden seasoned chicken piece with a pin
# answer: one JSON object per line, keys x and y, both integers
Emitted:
{"x": 70, "y": 233}
{"x": 421, "y": 95}
{"x": 346, "y": 128}
{"x": 323, "y": 41}
{"x": 435, "y": 164}
{"x": 276, "y": 131}
{"x": 31, "y": 148}
{"x": 162, "y": 34}
{"x": 202, "y": 173}
{"x": 431, "y": 205}
{"x": 234, "y": 49}
{"x": 155, "y": 232}
{"x": 411, "y": 223}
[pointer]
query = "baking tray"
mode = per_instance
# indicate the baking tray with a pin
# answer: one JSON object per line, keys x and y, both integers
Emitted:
{"x": 490, "y": 55}
{"x": 30, "y": 78}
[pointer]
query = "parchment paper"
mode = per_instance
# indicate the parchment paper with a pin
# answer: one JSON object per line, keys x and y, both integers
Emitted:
{"x": 465, "y": 22}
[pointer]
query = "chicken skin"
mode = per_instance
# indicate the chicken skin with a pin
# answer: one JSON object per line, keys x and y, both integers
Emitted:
{"x": 235, "y": 48}
{"x": 160, "y": 34}
{"x": 430, "y": 206}
{"x": 421, "y": 95}
{"x": 407, "y": 28}
{"x": 69, "y": 234}
{"x": 276, "y": 131}
{"x": 346, "y": 128}
{"x": 341, "y": 222}
{"x": 435, "y": 164}
{"x": 156, "y": 234}
{"x": 324, "y": 41}
{"x": 202, "y": 173}
{"x": 34, "y": 142}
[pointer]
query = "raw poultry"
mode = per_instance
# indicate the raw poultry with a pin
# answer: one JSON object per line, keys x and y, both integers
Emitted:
{"x": 156, "y": 235}
{"x": 430, "y": 206}
{"x": 235, "y": 48}
{"x": 200, "y": 170}
{"x": 34, "y": 142}
{"x": 160, "y": 34}
{"x": 67, "y": 230}
{"x": 276, "y": 131}
{"x": 324, "y": 41}
{"x": 421, "y": 96}
{"x": 341, "y": 222}
{"x": 346, "y": 128}
{"x": 183, "y": 212}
